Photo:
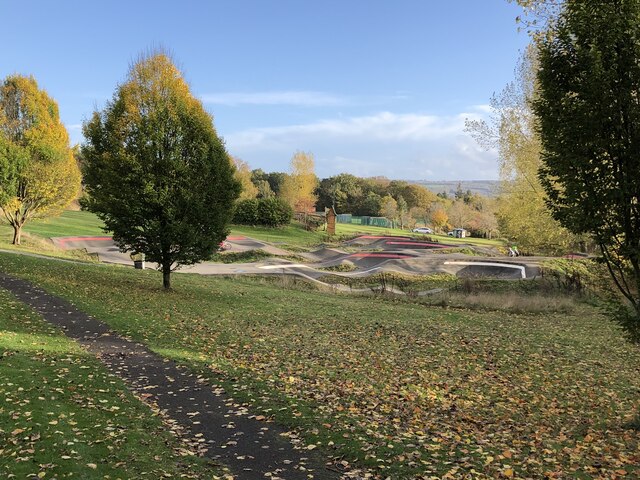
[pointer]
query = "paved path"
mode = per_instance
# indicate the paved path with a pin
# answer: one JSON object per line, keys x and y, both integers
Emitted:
{"x": 252, "y": 449}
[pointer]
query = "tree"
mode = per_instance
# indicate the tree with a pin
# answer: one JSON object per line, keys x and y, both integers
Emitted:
{"x": 589, "y": 116}
{"x": 439, "y": 217}
{"x": 156, "y": 172}
{"x": 264, "y": 190}
{"x": 460, "y": 214}
{"x": 276, "y": 180}
{"x": 521, "y": 208}
{"x": 39, "y": 175}
{"x": 260, "y": 180}
{"x": 369, "y": 205}
{"x": 483, "y": 222}
{"x": 299, "y": 187}
{"x": 403, "y": 211}
{"x": 243, "y": 175}
{"x": 389, "y": 208}
{"x": 420, "y": 214}
{"x": 343, "y": 192}
{"x": 418, "y": 196}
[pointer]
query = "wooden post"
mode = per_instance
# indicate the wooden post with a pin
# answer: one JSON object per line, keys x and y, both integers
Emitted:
{"x": 331, "y": 221}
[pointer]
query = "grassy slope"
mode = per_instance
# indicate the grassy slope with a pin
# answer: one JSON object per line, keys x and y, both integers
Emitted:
{"x": 67, "y": 224}
{"x": 394, "y": 386}
{"x": 62, "y": 415}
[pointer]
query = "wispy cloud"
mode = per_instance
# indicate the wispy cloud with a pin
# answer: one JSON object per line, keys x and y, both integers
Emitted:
{"x": 382, "y": 127}
{"x": 483, "y": 108}
{"x": 292, "y": 98}
{"x": 410, "y": 146}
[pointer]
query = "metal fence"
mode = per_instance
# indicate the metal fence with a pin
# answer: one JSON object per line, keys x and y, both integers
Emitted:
{"x": 370, "y": 221}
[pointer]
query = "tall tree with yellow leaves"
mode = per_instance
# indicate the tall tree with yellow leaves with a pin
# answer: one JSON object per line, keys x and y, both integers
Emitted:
{"x": 243, "y": 175}
{"x": 38, "y": 173}
{"x": 512, "y": 130}
{"x": 299, "y": 187}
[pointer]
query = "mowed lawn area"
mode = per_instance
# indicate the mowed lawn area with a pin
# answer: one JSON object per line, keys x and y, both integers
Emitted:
{"x": 397, "y": 388}
{"x": 75, "y": 223}
{"x": 63, "y": 416}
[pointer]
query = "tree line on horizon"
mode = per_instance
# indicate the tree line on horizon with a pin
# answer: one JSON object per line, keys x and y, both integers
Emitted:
{"x": 404, "y": 203}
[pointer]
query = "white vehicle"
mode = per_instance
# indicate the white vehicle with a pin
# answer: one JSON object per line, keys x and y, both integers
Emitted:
{"x": 424, "y": 230}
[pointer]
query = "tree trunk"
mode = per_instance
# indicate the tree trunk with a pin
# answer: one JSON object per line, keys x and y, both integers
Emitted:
{"x": 166, "y": 276}
{"x": 17, "y": 234}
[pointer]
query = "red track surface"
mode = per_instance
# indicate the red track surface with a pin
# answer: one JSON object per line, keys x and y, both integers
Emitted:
{"x": 379, "y": 255}
{"x": 82, "y": 239}
{"x": 378, "y": 237}
{"x": 422, "y": 244}
{"x": 236, "y": 237}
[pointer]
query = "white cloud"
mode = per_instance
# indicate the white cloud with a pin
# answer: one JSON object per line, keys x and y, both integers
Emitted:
{"x": 74, "y": 127}
{"x": 409, "y": 146}
{"x": 382, "y": 127}
{"x": 296, "y": 98}
{"x": 485, "y": 108}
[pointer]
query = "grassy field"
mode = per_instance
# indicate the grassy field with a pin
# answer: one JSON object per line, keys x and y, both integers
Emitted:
{"x": 63, "y": 416}
{"x": 350, "y": 229}
{"x": 291, "y": 235}
{"x": 393, "y": 387}
{"x": 69, "y": 223}
{"x": 72, "y": 223}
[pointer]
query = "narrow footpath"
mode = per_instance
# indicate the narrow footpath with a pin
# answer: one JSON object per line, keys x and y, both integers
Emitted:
{"x": 252, "y": 449}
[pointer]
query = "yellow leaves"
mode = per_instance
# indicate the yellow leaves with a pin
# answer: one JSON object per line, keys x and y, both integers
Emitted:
{"x": 299, "y": 186}
{"x": 243, "y": 175}
{"x": 154, "y": 80}
{"x": 42, "y": 175}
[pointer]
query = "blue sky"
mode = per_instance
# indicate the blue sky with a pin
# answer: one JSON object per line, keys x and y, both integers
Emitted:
{"x": 370, "y": 87}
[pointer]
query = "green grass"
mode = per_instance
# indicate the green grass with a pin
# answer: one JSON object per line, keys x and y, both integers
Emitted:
{"x": 69, "y": 223}
{"x": 36, "y": 234}
{"x": 64, "y": 416}
{"x": 291, "y": 235}
{"x": 393, "y": 387}
{"x": 248, "y": 256}
{"x": 76, "y": 223}
{"x": 351, "y": 229}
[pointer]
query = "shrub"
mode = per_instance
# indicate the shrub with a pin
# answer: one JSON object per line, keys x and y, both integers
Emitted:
{"x": 246, "y": 212}
{"x": 575, "y": 275}
{"x": 268, "y": 212}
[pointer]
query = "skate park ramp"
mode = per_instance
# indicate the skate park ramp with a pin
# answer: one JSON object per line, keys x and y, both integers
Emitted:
{"x": 369, "y": 254}
{"x": 102, "y": 246}
{"x": 324, "y": 254}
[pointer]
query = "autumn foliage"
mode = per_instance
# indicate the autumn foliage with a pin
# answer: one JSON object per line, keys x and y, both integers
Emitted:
{"x": 38, "y": 173}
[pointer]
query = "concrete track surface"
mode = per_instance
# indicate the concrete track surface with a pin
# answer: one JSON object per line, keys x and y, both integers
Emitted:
{"x": 362, "y": 256}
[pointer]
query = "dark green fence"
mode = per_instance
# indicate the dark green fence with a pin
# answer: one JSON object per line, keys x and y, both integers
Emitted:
{"x": 370, "y": 221}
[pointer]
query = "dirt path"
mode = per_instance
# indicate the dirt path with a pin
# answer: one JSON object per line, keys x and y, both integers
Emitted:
{"x": 251, "y": 448}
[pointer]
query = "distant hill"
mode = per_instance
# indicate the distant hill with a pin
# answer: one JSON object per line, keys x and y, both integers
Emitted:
{"x": 488, "y": 188}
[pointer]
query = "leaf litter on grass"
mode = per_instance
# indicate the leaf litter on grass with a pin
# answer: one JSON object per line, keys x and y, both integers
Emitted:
{"x": 387, "y": 387}
{"x": 64, "y": 416}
